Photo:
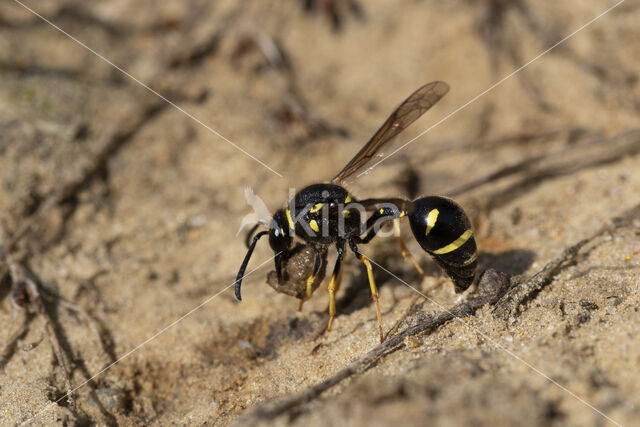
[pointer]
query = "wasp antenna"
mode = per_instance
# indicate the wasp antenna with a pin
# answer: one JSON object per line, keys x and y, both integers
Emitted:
{"x": 247, "y": 238}
{"x": 243, "y": 267}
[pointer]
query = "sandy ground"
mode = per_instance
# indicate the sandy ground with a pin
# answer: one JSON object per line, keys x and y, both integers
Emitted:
{"x": 540, "y": 162}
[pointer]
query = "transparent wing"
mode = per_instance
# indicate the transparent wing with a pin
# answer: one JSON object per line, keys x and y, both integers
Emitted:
{"x": 409, "y": 111}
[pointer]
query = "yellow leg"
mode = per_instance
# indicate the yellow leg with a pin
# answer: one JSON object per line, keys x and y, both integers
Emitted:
{"x": 333, "y": 284}
{"x": 405, "y": 251}
{"x": 316, "y": 267}
{"x": 374, "y": 291}
{"x": 332, "y": 305}
{"x": 309, "y": 290}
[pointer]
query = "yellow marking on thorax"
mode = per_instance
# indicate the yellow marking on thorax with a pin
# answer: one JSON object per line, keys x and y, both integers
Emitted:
{"x": 291, "y": 223}
{"x": 314, "y": 225}
{"x": 316, "y": 207}
{"x": 432, "y": 217}
{"x": 346, "y": 213}
{"x": 455, "y": 244}
{"x": 348, "y": 198}
{"x": 381, "y": 211}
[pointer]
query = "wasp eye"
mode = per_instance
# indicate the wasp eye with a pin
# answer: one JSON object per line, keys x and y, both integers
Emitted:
{"x": 279, "y": 238}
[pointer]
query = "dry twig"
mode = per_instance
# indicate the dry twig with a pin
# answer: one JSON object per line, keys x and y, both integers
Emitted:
{"x": 26, "y": 295}
{"x": 494, "y": 288}
{"x": 491, "y": 287}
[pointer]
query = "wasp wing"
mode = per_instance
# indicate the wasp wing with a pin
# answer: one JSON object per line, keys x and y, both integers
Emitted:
{"x": 409, "y": 111}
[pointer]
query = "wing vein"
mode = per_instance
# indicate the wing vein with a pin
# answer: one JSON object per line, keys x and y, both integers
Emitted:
{"x": 418, "y": 103}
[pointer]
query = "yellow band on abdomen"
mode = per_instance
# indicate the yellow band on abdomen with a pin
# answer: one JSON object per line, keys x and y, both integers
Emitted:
{"x": 455, "y": 244}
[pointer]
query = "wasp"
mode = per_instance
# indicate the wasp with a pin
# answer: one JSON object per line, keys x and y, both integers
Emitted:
{"x": 322, "y": 215}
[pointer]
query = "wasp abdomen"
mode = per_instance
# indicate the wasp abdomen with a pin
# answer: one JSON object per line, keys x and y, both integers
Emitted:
{"x": 443, "y": 230}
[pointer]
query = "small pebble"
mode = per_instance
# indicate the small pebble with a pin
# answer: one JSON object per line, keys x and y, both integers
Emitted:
{"x": 111, "y": 399}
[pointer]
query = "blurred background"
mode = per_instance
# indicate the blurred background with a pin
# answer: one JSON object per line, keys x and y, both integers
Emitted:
{"x": 127, "y": 200}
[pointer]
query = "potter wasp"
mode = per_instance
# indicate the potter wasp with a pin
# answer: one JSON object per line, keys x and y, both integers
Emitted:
{"x": 322, "y": 215}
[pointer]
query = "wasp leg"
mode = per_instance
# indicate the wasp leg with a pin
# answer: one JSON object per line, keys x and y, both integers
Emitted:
{"x": 373, "y": 224}
{"x": 332, "y": 285}
{"x": 339, "y": 279}
{"x": 405, "y": 251}
{"x": 372, "y": 283}
{"x": 316, "y": 267}
{"x": 373, "y": 231}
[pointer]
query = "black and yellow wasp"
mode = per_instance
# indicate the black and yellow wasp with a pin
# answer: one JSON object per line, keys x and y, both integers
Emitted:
{"x": 327, "y": 214}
